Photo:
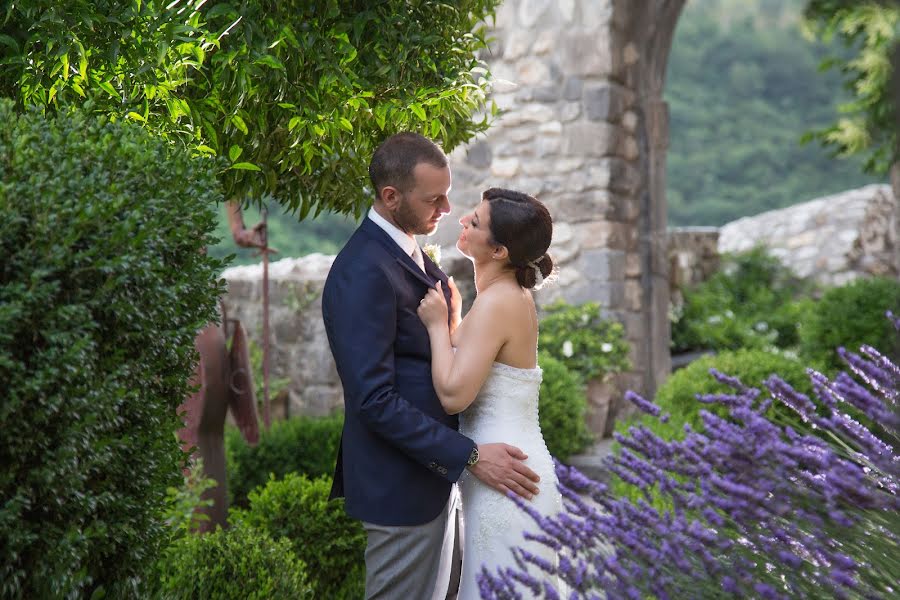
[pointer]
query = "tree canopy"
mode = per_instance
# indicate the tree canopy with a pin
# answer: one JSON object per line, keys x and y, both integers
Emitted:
{"x": 294, "y": 96}
{"x": 871, "y": 118}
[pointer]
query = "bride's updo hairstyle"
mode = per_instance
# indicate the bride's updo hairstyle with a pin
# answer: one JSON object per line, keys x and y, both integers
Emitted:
{"x": 522, "y": 224}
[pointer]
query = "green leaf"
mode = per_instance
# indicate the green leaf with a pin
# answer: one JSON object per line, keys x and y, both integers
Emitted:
{"x": 419, "y": 111}
{"x": 292, "y": 124}
{"x": 346, "y": 124}
{"x": 245, "y": 166}
{"x": 240, "y": 124}
{"x": 270, "y": 61}
{"x": 234, "y": 152}
{"x": 108, "y": 88}
{"x": 136, "y": 116}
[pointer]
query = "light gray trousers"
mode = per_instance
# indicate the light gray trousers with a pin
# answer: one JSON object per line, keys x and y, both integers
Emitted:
{"x": 415, "y": 562}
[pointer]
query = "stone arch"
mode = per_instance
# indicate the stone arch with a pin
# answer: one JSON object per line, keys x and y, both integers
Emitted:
{"x": 584, "y": 127}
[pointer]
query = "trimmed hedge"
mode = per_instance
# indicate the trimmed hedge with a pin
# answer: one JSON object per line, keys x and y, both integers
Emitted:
{"x": 239, "y": 563}
{"x": 330, "y": 543}
{"x": 103, "y": 285}
{"x": 851, "y": 316}
{"x": 562, "y": 407}
{"x": 305, "y": 445}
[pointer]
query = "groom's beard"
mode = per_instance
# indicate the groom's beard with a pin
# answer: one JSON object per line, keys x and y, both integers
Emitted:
{"x": 409, "y": 222}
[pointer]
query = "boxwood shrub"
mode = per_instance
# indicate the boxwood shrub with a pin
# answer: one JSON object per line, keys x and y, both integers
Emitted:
{"x": 850, "y": 316}
{"x": 330, "y": 543}
{"x": 103, "y": 286}
{"x": 305, "y": 445}
{"x": 562, "y": 409}
{"x": 239, "y": 563}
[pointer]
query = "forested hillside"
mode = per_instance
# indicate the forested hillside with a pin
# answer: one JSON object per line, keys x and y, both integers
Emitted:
{"x": 743, "y": 86}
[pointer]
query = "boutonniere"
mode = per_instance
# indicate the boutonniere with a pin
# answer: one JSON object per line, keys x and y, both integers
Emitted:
{"x": 434, "y": 253}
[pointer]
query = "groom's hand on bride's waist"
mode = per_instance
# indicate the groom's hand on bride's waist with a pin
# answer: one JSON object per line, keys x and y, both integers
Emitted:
{"x": 500, "y": 466}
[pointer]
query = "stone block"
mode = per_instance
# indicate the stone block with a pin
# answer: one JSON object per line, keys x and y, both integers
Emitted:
{"x": 633, "y": 264}
{"x": 570, "y": 111}
{"x": 545, "y": 42}
{"x": 602, "y": 264}
{"x": 517, "y": 43}
{"x": 479, "y": 155}
{"x": 634, "y": 294}
{"x": 607, "y": 102}
{"x": 505, "y": 168}
{"x": 591, "y": 139}
{"x": 607, "y": 234}
{"x": 616, "y": 174}
{"x": 576, "y": 208}
{"x": 624, "y": 208}
{"x": 532, "y": 113}
{"x": 629, "y": 121}
{"x": 531, "y": 12}
{"x": 565, "y": 165}
{"x": 545, "y": 93}
{"x": 587, "y": 54}
{"x": 572, "y": 88}
{"x": 532, "y": 71}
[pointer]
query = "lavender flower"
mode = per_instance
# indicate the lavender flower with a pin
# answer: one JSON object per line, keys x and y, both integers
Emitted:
{"x": 746, "y": 507}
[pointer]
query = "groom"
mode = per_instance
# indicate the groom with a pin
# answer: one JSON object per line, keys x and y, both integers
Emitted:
{"x": 400, "y": 453}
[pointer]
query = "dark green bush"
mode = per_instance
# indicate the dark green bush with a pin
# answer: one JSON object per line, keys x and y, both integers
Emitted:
{"x": 330, "y": 543}
{"x": 587, "y": 344}
{"x": 850, "y": 316}
{"x": 678, "y": 395}
{"x": 103, "y": 287}
{"x": 753, "y": 301}
{"x": 305, "y": 445}
{"x": 562, "y": 409}
{"x": 239, "y": 563}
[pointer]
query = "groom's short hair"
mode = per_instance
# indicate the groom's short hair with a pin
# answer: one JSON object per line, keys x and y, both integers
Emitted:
{"x": 396, "y": 158}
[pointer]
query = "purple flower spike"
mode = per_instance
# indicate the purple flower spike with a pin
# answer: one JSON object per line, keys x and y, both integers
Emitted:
{"x": 641, "y": 403}
{"x": 745, "y": 508}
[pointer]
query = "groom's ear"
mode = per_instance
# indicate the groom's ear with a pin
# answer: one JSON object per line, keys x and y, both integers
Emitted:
{"x": 390, "y": 196}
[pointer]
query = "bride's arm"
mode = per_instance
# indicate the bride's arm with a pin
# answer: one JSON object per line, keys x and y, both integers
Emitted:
{"x": 459, "y": 376}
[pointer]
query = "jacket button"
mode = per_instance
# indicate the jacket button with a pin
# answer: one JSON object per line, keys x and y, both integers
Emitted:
{"x": 432, "y": 465}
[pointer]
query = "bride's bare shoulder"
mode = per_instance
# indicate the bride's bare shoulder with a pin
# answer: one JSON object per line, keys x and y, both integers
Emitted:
{"x": 503, "y": 300}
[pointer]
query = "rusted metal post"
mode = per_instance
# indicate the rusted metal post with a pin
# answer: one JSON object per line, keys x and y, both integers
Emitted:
{"x": 265, "y": 291}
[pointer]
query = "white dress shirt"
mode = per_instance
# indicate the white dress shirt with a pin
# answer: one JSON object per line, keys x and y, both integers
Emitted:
{"x": 406, "y": 242}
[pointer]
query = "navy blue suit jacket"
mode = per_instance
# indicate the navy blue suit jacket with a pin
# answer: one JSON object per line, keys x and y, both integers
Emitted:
{"x": 399, "y": 452}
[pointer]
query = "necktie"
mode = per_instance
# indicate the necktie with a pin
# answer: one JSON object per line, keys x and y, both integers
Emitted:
{"x": 417, "y": 257}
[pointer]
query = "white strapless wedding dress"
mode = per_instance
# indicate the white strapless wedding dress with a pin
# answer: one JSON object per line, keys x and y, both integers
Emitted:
{"x": 505, "y": 410}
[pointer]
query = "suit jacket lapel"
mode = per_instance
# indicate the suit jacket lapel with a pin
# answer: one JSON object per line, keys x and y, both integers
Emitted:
{"x": 405, "y": 261}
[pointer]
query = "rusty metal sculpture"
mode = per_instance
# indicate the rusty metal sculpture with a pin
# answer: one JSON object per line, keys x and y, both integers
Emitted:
{"x": 224, "y": 380}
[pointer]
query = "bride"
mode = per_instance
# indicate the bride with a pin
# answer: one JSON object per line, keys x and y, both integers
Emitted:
{"x": 484, "y": 367}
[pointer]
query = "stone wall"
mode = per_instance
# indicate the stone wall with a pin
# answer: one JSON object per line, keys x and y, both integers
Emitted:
{"x": 584, "y": 128}
{"x": 832, "y": 239}
{"x": 298, "y": 345}
{"x": 693, "y": 258}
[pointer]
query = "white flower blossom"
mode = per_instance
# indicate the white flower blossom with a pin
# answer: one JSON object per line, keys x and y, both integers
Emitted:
{"x": 762, "y": 326}
{"x": 714, "y": 319}
{"x": 606, "y": 347}
{"x": 567, "y": 349}
{"x": 434, "y": 253}
{"x": 584, "y": 319}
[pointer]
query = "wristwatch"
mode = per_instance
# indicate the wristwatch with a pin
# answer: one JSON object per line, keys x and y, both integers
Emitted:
{"x": 473, "y": 458}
